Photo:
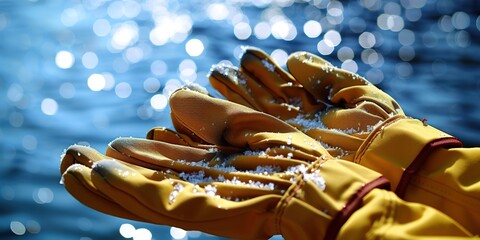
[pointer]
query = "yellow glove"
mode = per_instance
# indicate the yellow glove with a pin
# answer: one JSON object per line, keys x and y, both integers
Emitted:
{"x": 248, "y": 176}
{"x": 239, "y": 173}
{"x": 342, "y": 109}
{"x": 332, "y": 105}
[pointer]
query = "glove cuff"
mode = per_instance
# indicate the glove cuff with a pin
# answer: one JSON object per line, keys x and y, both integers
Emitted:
{"x": 398, "y": 148}
{"x": 309, "y": 210}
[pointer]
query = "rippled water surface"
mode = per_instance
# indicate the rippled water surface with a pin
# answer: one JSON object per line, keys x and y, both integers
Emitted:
{"x": 89, "y": 71}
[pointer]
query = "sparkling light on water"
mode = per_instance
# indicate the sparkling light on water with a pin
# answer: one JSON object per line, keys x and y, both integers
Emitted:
{"x": 262, "y": 30}
{"x": 158, "y": 102}
{"x": 69, "y": 17}
{"x": 43, "y": 195}
{"x": 242, "y": 30}
{"x": 350, "y": 66}
{"x": 280, "y": 56}
{"x": 367, "y": 40}
{"x": 64, "y": 59}
{"x": 127, "y": 230}
{"x": 89, "y": 60}
{"x": 49, "y": 106}
{"x": 194, "y": 47}
{"x": 124, "y": 35}
{"x": 101, "y": 27}
{"x": 158, "y": 67}
{"x": 284, "y": 29}
{"x": 332, "y": 38}
{"x": 96, "y": 82}
{"x": 345, "y": 53}
{"x": 151, "y": 85}
{"x": 142, "y": 234}
{"x": 134, "y": 54}
{"x": 17, "y": 227}
{"x": 177, "y": 233}
{"x": 123, "y": 90}
{"x": 312, "y": 29}
{"x": 460, "y": 20}
{"x": 217, "y": 11}
{"x": 325, "y": 47}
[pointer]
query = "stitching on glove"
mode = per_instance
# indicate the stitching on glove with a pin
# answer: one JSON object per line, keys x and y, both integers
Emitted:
{"x": 283, "y": 203}
{"x": 416, "y": 164}
{"x": 292, "y": 191}
{"x": 366, "y": 144}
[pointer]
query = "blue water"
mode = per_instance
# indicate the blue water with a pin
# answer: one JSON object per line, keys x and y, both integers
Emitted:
{"x": 424, "y": 54}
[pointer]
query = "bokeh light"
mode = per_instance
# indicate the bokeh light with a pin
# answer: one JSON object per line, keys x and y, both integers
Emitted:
{"x": 17, "y": 227}
{"x": 217, "y": 11}
{"x": 194, "y": 47}
{"x": 177, "y": 233}
{"x": 43, "y": 195}
{"x": 96, "y": 82}
{"x": 158, "y": 102}
{"x": 101, "y": 27}
{"x": 89, "y": 60}
{"x": 127, "y": 230}
{"x": 64, "y": 59}
{"x": 280, "y": 56}
{"x": 123, "y": 90}
{"x": 49, "y": 106}
{"x": 242, "y": 30}
{"x": 312, "y": 29}
{"x": 70, "y": 68}
{"x": 262, "y": 30}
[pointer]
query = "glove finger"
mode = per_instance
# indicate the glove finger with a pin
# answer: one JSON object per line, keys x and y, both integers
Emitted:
{"x": 209, "y": 118}
{"x": 166, "y": 135}
{"x": 250, "y": 92}
{"x": 149, "y": 154}
{"x": 285, "y": 88}
{"x": 355, "y": 95}
{"x": 77, "y": 181}
{"x": 224, "y": 123}
{"x": 79, "y": 154}
{"x": 336, "y": 86}
{"x": 156, "y": 155}
{"x": 235, "y": 86}
{"x": 319, "y": 77}
{"x": 340, "y": 119}
{"x": 86, "y": 156}
{"x": 169, "y": 136}
{"x": 179, "y": 203}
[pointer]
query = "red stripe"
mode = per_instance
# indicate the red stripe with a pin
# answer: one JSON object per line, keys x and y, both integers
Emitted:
{"x": 354, "y": 203}
{"x": 449, "y": 142}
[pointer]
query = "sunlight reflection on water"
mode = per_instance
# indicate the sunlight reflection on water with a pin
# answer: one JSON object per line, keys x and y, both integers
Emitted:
{"x": 86, "y": 72}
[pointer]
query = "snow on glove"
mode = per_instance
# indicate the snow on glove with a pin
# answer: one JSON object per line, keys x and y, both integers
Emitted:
{"x": 229, "y": 171}
{"x": 332, "y": 105}
{"x": 423, "y": 164}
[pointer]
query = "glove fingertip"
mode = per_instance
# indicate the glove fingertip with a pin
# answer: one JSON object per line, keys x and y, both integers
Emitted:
{"x": 111, "y": 168}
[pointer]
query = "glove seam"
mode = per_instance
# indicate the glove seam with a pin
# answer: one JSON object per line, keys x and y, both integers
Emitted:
{"x": 283, "y": 203}
{"x": 420, "y": 159}
{"x": 373, "y": 135}
{"x": 292, "y": 191}
{"x": 440, "y": 190}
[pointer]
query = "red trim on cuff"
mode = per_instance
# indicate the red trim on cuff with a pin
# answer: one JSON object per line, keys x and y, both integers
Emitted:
{"x": 449, "y": 142}
{"x": 354, "y": 203}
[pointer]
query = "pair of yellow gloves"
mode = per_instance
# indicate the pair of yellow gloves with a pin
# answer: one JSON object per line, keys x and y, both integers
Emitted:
{"x": 312, "y": 153}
